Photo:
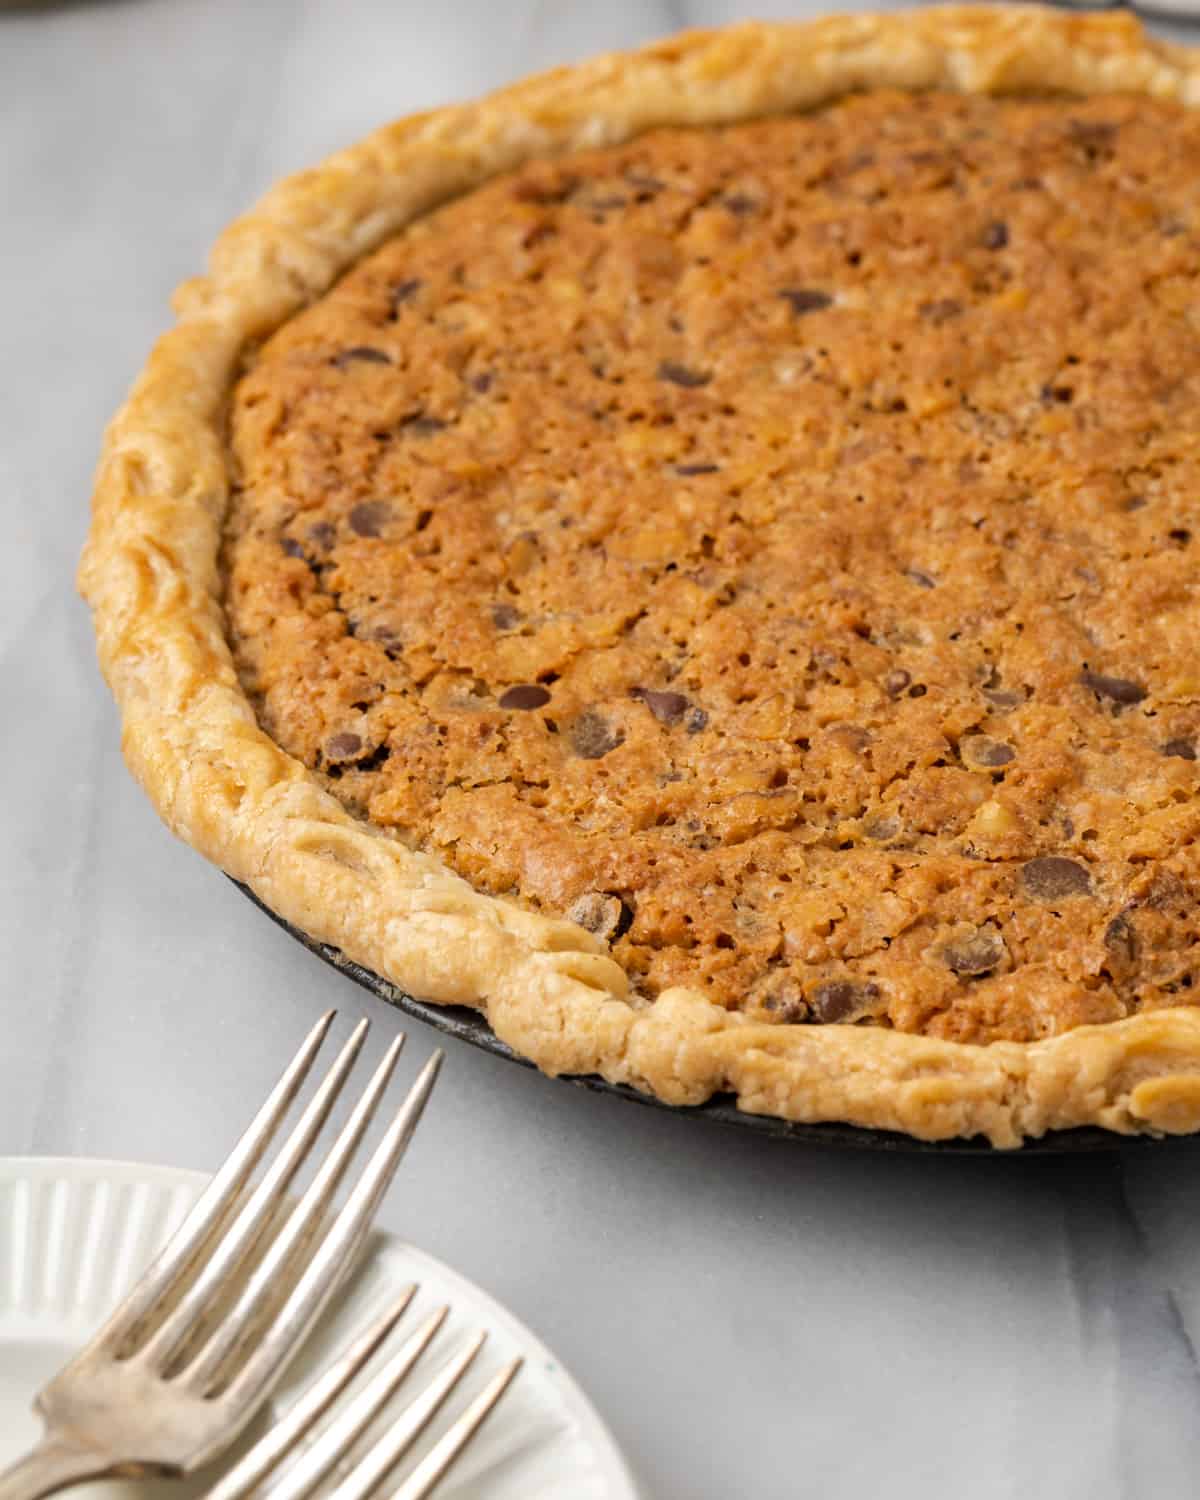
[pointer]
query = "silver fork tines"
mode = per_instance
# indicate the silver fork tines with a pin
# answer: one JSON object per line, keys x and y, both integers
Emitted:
{"x": 313, "y": 1463}
{"x": 309, "y": 1409}
{"x": 243, "y": 1233}
{"x": 182, "y": 1365}
{"x": 296, "y": 1235}
{"x": 434, "y": 1465}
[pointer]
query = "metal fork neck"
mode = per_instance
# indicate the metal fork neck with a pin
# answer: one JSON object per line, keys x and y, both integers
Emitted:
{"x": 53, "y": 1465}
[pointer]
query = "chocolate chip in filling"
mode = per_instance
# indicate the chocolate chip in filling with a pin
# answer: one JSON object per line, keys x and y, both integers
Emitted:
{"x": 1054, "y": 878}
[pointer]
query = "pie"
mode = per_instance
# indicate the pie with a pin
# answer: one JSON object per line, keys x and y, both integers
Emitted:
{"x": 694, "y": 556}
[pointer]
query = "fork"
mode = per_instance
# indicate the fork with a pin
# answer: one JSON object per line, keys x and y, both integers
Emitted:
{"x": 315, "y": 1462}
{"x": 184, "y": 1362}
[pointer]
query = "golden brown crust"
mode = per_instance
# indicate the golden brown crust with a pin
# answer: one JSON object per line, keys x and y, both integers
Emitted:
{"x": 548, "y": 987}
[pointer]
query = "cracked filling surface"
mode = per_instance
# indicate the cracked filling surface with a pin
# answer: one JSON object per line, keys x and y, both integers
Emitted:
{"x": 773, "y": 547}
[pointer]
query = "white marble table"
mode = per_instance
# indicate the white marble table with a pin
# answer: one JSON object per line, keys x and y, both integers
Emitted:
{"x": 752, "y": 1319}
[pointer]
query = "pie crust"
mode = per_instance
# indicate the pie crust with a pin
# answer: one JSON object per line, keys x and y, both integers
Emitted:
{"x": 549, "y": 987}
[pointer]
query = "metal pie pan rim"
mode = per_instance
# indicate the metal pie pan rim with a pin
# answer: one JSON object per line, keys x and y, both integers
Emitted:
{"x": 469, "y": 1026}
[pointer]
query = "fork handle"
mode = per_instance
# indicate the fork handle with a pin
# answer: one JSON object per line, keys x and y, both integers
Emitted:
{"x": 53, "y": 1465}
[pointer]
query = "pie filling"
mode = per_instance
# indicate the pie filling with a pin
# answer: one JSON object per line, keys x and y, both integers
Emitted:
{"x": 773, "y": 547}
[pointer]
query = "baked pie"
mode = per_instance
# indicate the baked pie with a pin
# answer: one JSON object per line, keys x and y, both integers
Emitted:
{"x": 695, "y": 556}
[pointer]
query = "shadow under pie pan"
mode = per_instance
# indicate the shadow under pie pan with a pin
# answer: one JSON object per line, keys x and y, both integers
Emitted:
{"x": 468, "y": 1026}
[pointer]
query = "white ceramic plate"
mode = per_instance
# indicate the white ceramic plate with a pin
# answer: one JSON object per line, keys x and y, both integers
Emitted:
{"x": 74, "y": 1233}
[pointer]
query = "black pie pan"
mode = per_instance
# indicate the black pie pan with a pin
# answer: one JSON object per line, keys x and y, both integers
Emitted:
{"x": 469, "y": 1026}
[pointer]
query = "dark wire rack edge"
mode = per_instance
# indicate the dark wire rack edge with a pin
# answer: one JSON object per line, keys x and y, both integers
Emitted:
{"x": 469, "y": 1026}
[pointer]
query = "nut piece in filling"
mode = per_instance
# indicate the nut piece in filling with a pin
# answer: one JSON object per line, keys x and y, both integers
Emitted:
{"x": 771, "y": 547}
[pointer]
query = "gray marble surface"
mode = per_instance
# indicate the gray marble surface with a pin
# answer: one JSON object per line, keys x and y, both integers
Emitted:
{"x": 751, "y": 1319}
